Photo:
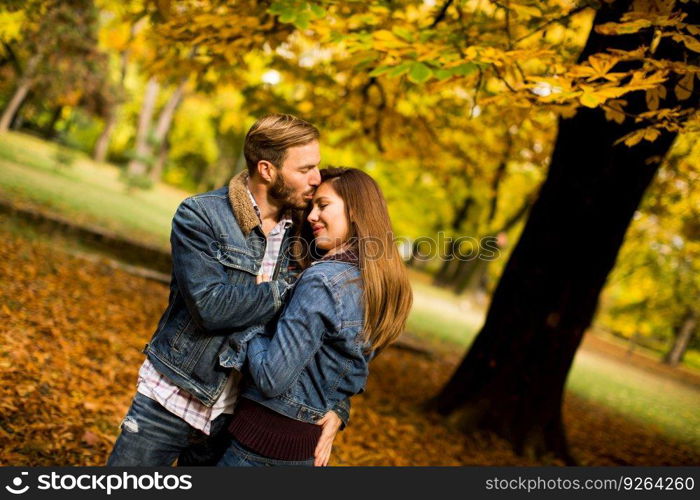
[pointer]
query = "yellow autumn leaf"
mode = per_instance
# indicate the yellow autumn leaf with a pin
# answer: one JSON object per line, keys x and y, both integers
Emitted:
{"x": 305, "y": 107}
{"x": 590, "y": 100}
{"x": 116, "y": 38}
{"x": 690, "y": 42}
{"x": 623, "y": 28}
{"x": 684, "y": 87}
{"x": 633, "y": 138}
{"x": 651, "y": 134}
{"x": 641, "y": 80}
{"x": 611, "y": 92}
{"x": 613, "y": 110}
{"x": 11, "y": 25}
{"x": 601, "y": 64}
{"x": 385, "y": 39}
{"x": 652, "y": 98}
{"x": 525, "y": 11}
{"x": 24, "y": 389}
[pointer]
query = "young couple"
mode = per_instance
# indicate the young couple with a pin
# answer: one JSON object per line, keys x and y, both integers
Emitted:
{"x": 244, "y": 329}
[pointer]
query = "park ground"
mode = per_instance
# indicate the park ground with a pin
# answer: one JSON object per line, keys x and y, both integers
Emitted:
{"x": 74, "y": 324}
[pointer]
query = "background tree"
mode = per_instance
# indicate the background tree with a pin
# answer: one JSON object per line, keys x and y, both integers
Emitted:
{"x": 118, "y": 36}
{"x": 651, "y": 296}
{"x": 512, "y": 379}
{"x": 57, "y": 38}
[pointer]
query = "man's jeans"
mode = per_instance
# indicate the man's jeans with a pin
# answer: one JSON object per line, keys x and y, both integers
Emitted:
{"x": 152, "y": 436}
{"x": 237, "y": 456}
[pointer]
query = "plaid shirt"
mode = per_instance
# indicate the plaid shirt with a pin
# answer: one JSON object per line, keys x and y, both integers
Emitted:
{"x": 180, "y": 402}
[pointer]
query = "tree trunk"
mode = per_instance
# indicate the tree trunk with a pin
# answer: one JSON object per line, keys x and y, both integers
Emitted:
{"x": 470, "y": 275}
{"x": 159, "y": 163}
{"x": 25, "y": 84}
{"x": 511, "y": 381}
{"x": 14, "y": 104}
{"x": 682, "y": 339}
{"x": 450, "y": 264}
{"x": 139, "y": 164}
{"x": 417, "y": 260}
{"x": 102, "y": 144}
{"x": 165, "y": 121}
{"x": 49, "y": 131}
{"x": 632, "y": 344}
{"x": 230, "y": 159}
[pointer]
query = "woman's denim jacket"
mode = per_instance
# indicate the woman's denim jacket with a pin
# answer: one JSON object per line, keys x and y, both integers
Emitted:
{"x": 217, "y": 248}
{"x": 313, "y": 357}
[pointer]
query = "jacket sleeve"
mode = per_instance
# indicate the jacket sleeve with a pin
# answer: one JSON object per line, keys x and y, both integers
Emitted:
{"x": 275, "y": 363}
{"x": 213, "y": 302}
{"x": 342, "y": 409}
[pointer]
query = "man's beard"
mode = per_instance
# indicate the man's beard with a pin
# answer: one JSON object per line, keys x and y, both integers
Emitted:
{"x": 284, "y": 194}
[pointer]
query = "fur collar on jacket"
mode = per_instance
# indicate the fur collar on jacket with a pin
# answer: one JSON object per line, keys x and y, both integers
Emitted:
{"x": 240, "y": 203}
{"x": 243, "y": 209}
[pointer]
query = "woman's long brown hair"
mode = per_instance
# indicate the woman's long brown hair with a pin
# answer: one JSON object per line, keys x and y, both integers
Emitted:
{"x": 387, "y": 292}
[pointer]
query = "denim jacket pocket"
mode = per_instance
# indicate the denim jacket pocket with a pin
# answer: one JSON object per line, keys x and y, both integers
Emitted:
{"x": 236, "y": 258}
{"x": 178, "y": 339}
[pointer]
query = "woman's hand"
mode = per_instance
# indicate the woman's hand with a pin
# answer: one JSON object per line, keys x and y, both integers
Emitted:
{"x": 330, "y": 423}
{"x": 261, "y": 278}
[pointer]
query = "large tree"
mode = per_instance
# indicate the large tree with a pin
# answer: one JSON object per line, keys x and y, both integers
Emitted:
{"x": 512, "y": 379}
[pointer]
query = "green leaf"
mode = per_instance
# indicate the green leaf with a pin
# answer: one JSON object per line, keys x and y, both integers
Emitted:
{"x": 465, "y": 69}
{"x": 380, "y": 70}
{"x": 302, "y": 19}
{"x": 317, "y": 11}
{"x": 419, "y": 73}
{"x": 288, "y": 16}
{"x": 399, "y": 70}
{"x": 277, "y": 8}
{"x": 403, "y": 33}
{"x": 425, "y": 36}
{"x": 443, "y": 74}
{"x": 337, "y": 37}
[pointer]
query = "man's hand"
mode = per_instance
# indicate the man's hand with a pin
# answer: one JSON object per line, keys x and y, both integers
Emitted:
{"x": 261, "y": 278}
{"x": 330, "y": 424}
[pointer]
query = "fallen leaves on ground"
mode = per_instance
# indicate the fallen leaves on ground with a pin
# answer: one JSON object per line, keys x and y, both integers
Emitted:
{"x": 70, "y": 348}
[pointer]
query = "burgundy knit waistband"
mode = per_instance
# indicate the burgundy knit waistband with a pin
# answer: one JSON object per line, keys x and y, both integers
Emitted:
{"x": 270, "y": 434}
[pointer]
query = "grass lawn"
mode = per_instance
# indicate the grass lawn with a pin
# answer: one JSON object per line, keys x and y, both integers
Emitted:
{"x": 670, "y": 406}
{"x": 664, "y": 404}
{"x": 440, "y": 317}
{"x": 85, "y": 191}
{"x": 92, "y": 193}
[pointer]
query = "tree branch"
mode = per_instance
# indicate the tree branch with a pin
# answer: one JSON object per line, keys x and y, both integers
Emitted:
{"x": 500, "y": 77}
{"x": 441, "y": 15}
{"x": 476, "y": 92}
{"x": 572, "y": 12}
{"x": 498, "y": 177}
{"x": 519, "y": 214}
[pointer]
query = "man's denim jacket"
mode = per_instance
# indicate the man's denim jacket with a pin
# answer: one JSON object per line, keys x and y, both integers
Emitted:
{"x": 217, "y": 248}
{"x": 313, "y": 357}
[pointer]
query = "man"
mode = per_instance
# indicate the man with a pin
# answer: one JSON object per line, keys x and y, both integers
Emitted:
{"x": 231, "y": 270}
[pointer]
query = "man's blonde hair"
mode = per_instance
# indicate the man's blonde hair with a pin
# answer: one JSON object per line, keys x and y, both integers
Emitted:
{"x": 270, "y": 137}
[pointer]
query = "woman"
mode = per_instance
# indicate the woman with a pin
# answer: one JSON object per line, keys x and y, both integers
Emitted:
{"x": 346, "y": 307}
